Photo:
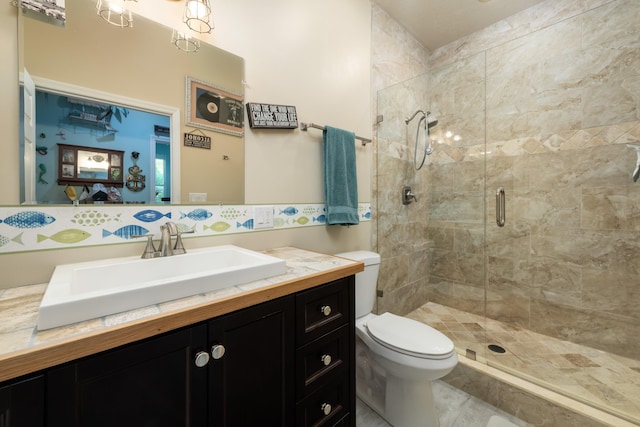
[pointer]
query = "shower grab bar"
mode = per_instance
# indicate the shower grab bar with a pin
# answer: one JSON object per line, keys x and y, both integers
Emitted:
{"x": 500, "y": 207}
{"x": 305, "y": 126}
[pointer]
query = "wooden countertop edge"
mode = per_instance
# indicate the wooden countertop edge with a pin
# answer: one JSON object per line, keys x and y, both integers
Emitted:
{"x": 44, "y": 356}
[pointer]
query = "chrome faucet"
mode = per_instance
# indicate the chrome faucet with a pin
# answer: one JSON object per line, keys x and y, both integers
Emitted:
{"x": 165, "y": 249}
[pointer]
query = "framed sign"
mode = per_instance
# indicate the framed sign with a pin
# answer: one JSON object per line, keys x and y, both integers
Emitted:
{"x": 213, "y": 108}
{"x": 271, "y": 116}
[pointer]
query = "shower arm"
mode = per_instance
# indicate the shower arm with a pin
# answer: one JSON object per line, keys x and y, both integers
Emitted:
{"x": 406, "y": 121}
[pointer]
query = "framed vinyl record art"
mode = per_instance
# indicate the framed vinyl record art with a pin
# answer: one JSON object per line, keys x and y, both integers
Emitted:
{"x": 213, "y": 108}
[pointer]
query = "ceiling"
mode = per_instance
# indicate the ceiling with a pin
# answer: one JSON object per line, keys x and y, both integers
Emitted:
{"x": 436, "y": 23}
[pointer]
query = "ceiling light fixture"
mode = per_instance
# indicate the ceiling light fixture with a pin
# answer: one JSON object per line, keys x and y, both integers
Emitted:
{"x": 184, "y": 42}
{"x": 197, "y": 16}
{"x": 114, "y": 12}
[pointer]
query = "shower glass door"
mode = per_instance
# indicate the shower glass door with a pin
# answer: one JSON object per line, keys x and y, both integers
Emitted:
{"x": 563, "y": 273}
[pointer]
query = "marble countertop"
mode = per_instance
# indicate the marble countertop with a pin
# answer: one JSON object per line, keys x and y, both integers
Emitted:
{"x": 24, "y": 349}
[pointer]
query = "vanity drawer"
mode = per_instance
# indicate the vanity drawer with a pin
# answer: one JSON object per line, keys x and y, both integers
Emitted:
{"x": 325, "y": 357}
{"x": 322, "y": 309}
{"x": 325, "y": 407}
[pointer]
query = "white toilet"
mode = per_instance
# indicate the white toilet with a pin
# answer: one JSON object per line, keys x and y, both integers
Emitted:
{"x": 396, "y": 358}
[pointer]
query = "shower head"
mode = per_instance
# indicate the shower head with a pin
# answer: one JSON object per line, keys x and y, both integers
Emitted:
{"x": 432, "y": 123}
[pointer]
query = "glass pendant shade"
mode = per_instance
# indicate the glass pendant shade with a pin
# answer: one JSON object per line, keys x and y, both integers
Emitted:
{"x": 115, "y": 13}
{"x": 197, "y": 16}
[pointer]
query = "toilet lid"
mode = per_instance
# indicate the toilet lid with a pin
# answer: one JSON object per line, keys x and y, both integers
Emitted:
{"x": 409, "y": 336}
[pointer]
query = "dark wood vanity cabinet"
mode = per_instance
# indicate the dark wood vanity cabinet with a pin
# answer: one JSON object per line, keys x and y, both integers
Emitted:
{"x": 325, "y": 355}
{"x": 150, "y": 383}
{"x": 22, "y": 402}
{"x": 251, "y": 372}
{"x": 288, "y": 362}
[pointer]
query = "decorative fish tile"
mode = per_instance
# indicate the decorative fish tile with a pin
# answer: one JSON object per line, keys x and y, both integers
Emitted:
{"x": 66, "y": 237}
{"x": 29, "y": 219}
{"x": 6, "y": 240}
{"x": 150, "y": 215}
{"x": 290, "y": 211}
{"x": 320, "y": 218}
{"x": 93, "y": 218}
{"x": 248, "y": 224}
{"x": 197, "y": 214}
{"x": 218, "y": 227}
{"x": 232, "y": 213}
{"x": 126, "y": 232}
{"x": 302, "y": 220}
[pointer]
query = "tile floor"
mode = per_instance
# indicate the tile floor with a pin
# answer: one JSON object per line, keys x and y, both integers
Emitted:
{"x": 455, "y": 409}
{"x": 606, "y": 381}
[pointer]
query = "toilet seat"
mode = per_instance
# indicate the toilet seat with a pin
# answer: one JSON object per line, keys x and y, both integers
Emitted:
{"x": 409, "y": 337}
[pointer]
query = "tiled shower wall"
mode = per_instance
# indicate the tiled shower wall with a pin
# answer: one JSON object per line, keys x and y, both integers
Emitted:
{"x": 555, "y": 93}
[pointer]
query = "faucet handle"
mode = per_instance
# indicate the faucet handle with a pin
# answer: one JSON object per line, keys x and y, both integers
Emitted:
{"x": 171, "y": 227}
{"x": 149, "y": 250}
{"x": 178, "y": 248}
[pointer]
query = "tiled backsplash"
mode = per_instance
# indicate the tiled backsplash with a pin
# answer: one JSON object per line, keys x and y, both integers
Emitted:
{"x": 43, "y": 227}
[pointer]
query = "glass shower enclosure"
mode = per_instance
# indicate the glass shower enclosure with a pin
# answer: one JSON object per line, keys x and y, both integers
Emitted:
{"x": 523, "y": 243}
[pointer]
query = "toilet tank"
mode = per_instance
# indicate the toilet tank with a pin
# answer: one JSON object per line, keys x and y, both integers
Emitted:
{"x": 366, "y": 281}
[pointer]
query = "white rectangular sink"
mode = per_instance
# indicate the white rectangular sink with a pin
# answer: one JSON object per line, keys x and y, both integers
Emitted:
{"x": 87, "y": 290}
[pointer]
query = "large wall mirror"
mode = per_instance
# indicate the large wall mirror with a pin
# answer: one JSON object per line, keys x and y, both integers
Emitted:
{"x": 88, "y": 68}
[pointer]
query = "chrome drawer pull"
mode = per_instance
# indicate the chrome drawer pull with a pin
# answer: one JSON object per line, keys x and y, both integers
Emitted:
{"x": 326, "y": 310}
{"x": 326, "y": 408}
{"x": 326, "y": 359}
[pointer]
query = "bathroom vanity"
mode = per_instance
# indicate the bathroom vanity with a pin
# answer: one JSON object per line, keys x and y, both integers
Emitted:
{"x": 278, "y": 353}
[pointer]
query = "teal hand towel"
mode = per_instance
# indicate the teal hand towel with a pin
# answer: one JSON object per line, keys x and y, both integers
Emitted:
{"x": 340, "y": 178}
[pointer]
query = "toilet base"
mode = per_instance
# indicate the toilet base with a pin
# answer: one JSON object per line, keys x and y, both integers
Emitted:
{"x": 403, "y": 403}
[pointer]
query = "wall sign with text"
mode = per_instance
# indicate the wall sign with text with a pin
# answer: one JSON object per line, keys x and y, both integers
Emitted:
{"x": 270, "y": 116}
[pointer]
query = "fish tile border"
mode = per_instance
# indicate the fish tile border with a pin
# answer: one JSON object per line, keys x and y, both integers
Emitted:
{"x": 41, "y": 227}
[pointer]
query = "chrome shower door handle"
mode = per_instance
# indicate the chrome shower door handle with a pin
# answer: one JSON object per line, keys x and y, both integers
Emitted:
{"x": 500, "y": 207}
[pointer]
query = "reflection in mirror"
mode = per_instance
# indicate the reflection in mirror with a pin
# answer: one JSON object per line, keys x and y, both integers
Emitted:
{"x": 99, "y": 142}
{"x": 134, "y": 68}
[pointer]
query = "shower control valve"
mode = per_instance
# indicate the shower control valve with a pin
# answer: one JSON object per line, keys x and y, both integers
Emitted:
{"x": 408, "y": 196}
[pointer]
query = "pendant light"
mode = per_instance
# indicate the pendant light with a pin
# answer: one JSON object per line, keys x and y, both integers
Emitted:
{"x": 115, "y": 13}
{"x": 197, "y": 16}
{"x": 185, "y": 43}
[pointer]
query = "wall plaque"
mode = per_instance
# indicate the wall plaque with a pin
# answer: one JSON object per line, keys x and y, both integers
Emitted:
{"x": 197, "y": 140}
{"x": 271, "y": 116}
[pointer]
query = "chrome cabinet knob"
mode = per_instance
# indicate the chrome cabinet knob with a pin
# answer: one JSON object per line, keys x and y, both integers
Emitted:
{"x": 326, "y": 359}
{"x": 326, "y": 408}
{"x": 217, "y": 351}
{"x": 326, "y": 310}
{"x": 201, "y": 359}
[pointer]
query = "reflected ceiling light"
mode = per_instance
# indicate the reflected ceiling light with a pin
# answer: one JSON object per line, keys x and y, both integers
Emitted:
{"x": 184, "y": 42}
{"x": 114, "y": 12}
{"x": 197, "y": 16}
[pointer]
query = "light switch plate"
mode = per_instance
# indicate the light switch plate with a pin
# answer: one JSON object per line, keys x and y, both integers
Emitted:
{"x": 262, "y": 217}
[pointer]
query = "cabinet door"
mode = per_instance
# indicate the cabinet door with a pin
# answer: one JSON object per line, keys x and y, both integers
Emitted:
{"x": 151, "y": 383}
{"x": 252, "y": 384}
{"x": 22, "y": 403}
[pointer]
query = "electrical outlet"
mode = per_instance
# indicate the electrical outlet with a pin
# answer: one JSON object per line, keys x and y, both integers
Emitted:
{"x": 262, "y": 217}
{"x": 197, "y": 197}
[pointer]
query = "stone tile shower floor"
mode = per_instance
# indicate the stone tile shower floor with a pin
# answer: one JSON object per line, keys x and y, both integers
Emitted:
{"x": 595, "y": 377}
